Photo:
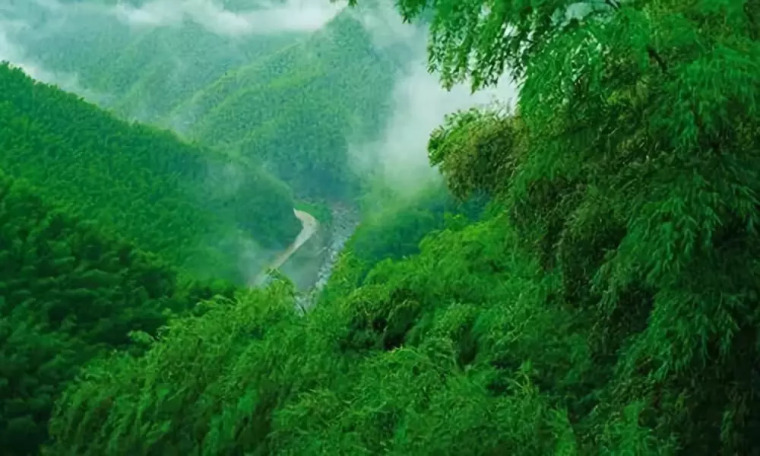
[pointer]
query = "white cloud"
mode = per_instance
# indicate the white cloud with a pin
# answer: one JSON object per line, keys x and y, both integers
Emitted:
{"x": 419, "y": 104}
{"x": 289, "y": 16}
{"x": 14, "y": 53}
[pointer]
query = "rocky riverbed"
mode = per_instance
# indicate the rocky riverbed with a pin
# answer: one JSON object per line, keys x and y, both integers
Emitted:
{"x": 345, "y": 219}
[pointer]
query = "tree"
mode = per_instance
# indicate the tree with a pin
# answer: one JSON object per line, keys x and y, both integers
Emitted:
{"x": 640, "y": 184}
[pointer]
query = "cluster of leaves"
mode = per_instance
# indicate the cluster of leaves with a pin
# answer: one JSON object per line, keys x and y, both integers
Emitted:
{"x": 609, "y": 307}
{"x": 167, "y": 196}
{"x": 639, "y": 184}
{"x": 68, "y": 293}
{"x": 469, "y": 151}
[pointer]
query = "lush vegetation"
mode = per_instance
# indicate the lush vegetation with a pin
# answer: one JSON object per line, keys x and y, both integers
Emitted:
{"x": 395, "y": 230}
{"x": 297, "y": 109}
{"x": 141, "y": 73}
{"x": 605, "y": 303}
{"x": 68, "y": 293}
{"x": 190, "y": 205}
{"x": 290, "y": 101}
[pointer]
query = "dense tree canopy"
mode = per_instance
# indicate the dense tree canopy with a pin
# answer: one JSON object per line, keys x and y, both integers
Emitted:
{"x": 605, "y": 303}
{"x": 181, "y": 201}
{"x": 67, "y": 293}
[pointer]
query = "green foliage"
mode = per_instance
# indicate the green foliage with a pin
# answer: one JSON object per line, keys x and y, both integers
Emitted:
{"x": 175, "y": 199}
{"x": 610, "y": 308}
{"x": 469, "y": 150}
{"x": 347, "y": 377}
{"x": 396, "y": 230}
{"x": 296, "y": 110}
{"x": 67, "y": 293}
{"x": 640, "y": 186}
{"x": 200, "y": 356}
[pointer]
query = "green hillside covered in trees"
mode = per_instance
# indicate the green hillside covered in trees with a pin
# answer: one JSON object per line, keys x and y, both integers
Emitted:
{"x": 138, "y": 72}
{"x": 586, "y": 284}
{"x": 67, "y": 294}
{"x": 192, "y": 206}
{"x": 329, "y": 88}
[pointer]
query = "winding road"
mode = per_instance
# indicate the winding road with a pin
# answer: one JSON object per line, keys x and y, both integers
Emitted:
{"x": 309, "y": 227}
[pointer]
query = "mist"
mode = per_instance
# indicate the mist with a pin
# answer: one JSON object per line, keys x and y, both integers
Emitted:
{"x": 420, "y": 104}
{"x": 15, "y": 53}
{"x": 269, "y": 17}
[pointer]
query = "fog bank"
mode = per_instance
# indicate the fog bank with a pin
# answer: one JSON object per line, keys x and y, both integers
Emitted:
{"x": 269, "y": 17}
{"x": 420, "y": 104}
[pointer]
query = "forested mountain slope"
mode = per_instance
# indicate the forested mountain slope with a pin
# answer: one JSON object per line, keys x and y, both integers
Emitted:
{"x": 291, "y": 100}
{"x": 67, "y": 293}
{"x": 147, "y": 75}
{"x": 194, "y": 207}
{"x": 138, "y": 72}
{"x": 297, "y": 109}
{"x": 606, "y": 304}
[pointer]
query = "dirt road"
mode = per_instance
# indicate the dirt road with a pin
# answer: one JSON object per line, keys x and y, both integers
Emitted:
{"x": 309, "y": 227}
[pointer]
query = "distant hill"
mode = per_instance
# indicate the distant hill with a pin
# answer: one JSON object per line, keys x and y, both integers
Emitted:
{"x": 297, "y": 110}
{"x": 196, "y": 208}
{"x": 139, "y": 73}
{"x": 292, "y": 101}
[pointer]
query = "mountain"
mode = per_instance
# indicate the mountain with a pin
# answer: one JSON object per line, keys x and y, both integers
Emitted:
{"x": 138, "y": 72}
{"x": 298, "y": 109}
{"x": 292, "y": 100}
{"x": 195, "y": 207}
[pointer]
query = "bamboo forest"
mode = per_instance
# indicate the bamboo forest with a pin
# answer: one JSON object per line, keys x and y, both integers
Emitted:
{"x": 379, "y": 227}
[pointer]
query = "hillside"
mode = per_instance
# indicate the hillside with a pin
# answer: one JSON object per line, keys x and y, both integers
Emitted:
{"x": 67, "y": 294}
{"x": 196, "y": 208}
{"x": 137, "y": 72}
{"x": 292, "y": 100}
{"x": 298, "y": 109}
